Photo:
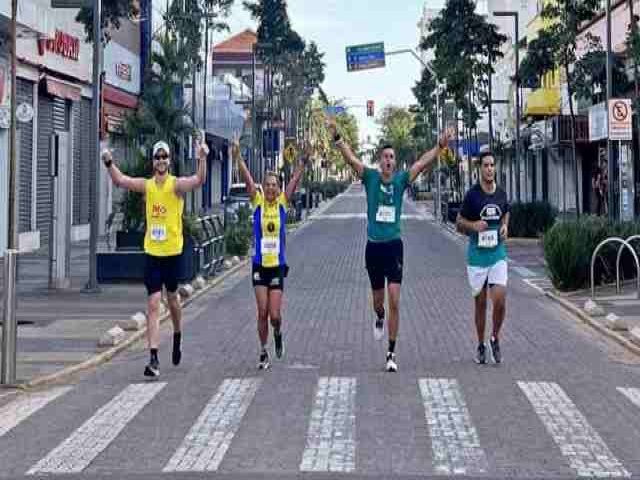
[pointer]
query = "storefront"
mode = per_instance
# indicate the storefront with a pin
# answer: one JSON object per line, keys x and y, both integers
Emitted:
{"x": 54, "y": 77}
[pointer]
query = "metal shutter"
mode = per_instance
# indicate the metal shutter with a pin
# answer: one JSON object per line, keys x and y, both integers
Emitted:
{"x": 77, "y": 159}
{"x": 52, "y": 116}
{"x": 86, "y": 160}
{"x": 25, "y": 159}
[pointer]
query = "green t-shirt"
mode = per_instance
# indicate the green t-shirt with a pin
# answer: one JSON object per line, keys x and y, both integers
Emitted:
{"x": 384, "y": 204}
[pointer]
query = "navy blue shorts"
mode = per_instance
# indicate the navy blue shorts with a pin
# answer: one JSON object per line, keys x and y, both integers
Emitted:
{"x": 159, "y": 272}
{"x": 384, "y": 262}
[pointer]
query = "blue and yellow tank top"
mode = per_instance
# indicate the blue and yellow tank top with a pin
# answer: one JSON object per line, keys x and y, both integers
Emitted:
{"x": 269, "y": 229}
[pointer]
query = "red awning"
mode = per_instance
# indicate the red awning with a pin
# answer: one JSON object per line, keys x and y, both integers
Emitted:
{"x": 57, "y": 88}
{"x": 118, "y": 97}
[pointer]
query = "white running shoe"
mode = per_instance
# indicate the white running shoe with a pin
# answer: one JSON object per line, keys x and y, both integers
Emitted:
{"x": 264, "y": 363}
{"x": 378, "y": 329}
{"x": 392, "y": 366}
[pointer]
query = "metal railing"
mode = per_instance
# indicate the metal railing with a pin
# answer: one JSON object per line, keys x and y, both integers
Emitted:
{"x": 630, "y": 241}
{"x": 623, "y": 244}
{"x": 209, "y": 249}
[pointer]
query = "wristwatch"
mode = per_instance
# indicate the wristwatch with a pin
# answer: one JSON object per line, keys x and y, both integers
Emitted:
{"x": 337, "y": 138}
{"x": 108, "y": 164}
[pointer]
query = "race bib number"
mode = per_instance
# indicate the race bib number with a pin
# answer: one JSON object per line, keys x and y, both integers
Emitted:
{"x": 386, "y": 214}
{"x": 270, "y": 246}
{"x": 488, "y": 239}
{"x": 159, "y": 233}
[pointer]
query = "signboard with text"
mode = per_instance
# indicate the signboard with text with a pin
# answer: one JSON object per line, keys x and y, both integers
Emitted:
{"x": 364, "y": 57}
{"x": 620, "y": 115}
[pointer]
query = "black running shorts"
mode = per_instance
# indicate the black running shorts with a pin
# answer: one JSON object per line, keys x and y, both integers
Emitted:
{"x": 384, "y": 262}
{"x": 159, "y": 271}
{"x": 270, "y": 277}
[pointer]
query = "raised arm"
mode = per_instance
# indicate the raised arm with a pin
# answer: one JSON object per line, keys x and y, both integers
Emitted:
{"x": 297, "y": 174}
{"x": 428, "y": 157}
{"x": 354, "y": 162}
{"x": 187, "y": 184}
{"x": 244, "y": 171}
{"x": 118, "y": 178}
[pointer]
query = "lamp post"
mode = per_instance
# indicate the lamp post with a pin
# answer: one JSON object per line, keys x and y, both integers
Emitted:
{"x": 516, "y": 47}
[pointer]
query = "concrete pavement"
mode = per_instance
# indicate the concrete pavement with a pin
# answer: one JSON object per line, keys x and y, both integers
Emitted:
{"x": 564, "y": 404}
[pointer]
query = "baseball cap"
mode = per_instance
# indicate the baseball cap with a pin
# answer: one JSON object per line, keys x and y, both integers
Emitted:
{"x": 161, "y": 146}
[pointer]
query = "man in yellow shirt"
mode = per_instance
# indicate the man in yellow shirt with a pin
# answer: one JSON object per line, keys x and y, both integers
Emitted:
{"x": 163, "y": 239}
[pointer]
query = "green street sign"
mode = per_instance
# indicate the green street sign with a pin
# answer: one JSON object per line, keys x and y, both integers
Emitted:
{"x": 70, "y": 3}
{"x": 364, "y": 57}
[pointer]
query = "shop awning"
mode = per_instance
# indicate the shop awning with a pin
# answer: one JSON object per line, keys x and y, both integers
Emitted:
{"x": 543, "y": 102}
{"x": 61, "y": 89}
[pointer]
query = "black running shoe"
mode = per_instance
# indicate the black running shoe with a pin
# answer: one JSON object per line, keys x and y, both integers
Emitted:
{"x": 481, "y": 356}
{"x": 152, "y": 369}
{"x": 495, "y": 350}
{"x": 392, "y": 364}
{"x": 176, "y": 356}
{"x": 264, "y": 364}
{"x": 278, "y": 344}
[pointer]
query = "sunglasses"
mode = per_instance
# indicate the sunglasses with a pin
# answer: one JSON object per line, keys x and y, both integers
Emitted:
{"x": 161, "y": 157}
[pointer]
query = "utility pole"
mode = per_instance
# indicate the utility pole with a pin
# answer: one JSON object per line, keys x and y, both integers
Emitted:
{"x": 92, "y": 285}
{"x": 9, "y": 325}
{"x": 610, "y": 160}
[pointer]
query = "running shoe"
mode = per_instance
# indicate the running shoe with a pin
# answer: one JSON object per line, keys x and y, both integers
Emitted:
{"x": 264, "y": 364}
{"x": 176, "y": 355}
{"x": 278, "y": 344}
{"x": 481, "y": 356}
{"x": 152, "y": 369}
{"x": 378, "y": 329}
{"x": 495, "y": 350}
{"x": 392, "y": 366}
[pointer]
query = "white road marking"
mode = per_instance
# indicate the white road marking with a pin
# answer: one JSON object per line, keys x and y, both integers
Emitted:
{"x": 331, "y": 444}
{"x": 454, "y": 440}
{"x": 87, "y": 442}
{"x": 523, "y": 271}
{"x": 209, "y": 439}
{"x": 579, "y": 443}
{"x": 633, "y": 394}
{"x": 26, "y": 405}
{"x": 353, "y": 216}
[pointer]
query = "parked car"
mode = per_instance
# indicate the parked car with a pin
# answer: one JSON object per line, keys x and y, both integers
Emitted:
{"x": 237, "y": 198}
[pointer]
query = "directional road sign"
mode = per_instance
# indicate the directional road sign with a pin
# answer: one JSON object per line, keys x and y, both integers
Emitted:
{"x": 364, "y": 57}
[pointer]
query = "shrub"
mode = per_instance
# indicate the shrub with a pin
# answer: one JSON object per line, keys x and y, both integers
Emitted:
{"x": 238, "y": 235}
{"x": 568, "y": 247}
{"x": 531, "y": 220}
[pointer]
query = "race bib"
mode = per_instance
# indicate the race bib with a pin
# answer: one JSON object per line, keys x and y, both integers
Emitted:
{"x": 386, "y": 214}
{"x": 270, "y": 246}
{"x": 488, "y": 239}
{"x": 159, "y": 232}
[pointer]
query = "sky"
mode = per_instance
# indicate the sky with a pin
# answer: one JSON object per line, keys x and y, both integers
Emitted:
{"x": 335, "y": 24}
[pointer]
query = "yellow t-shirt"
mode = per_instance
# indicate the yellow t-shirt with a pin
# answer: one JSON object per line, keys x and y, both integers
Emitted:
{"x": 164, "y": 207}
{"x": 269, "y": 229}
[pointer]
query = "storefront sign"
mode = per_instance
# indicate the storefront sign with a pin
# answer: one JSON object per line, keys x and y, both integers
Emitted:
{"x": 598, "y": 128}
{"x": 122, "y": 68}
{"x": 62, "y": 44}
{"x": 24, "y": 113}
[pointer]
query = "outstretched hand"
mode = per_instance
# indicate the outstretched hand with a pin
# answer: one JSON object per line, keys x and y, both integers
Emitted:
{"x": 443, "y": 141}
{"x": 235, "y": 151}
{"x": 201, "y": 148}
{"x": 331, "y": 125}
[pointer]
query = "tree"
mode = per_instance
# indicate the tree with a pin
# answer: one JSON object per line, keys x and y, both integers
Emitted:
{"x": 113, "y": 12}
{"x": 465, "y": 51}
{"x": 559, "y": 42}
{"x": 397, "y": 125}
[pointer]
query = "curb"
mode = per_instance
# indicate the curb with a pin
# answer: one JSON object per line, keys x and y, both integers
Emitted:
{"x": 107, "y": 355}
{"x": 567, "y": 305}
{"x": 113, "y": 351}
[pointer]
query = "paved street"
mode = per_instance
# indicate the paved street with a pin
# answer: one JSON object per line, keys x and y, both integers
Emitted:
{"x": 565, "y": 403}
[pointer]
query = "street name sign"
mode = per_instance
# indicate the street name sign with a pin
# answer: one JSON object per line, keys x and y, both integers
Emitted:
{"x": 334, "y": 110}
{"x": 364, "y": 57}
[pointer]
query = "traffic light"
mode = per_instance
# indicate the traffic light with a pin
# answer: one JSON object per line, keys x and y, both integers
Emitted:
{"x": 370, "y": 112}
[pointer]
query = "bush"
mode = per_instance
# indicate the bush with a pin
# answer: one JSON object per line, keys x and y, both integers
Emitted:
{"x": 238, "y": 235}
{"x": 568, "y": 247}
{"x": 531, "y": 220}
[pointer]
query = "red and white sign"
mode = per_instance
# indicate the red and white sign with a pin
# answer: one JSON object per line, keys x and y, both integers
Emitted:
{"x": 61, "y": 44}
{"x": 123, "y": 71}
{"x": 620, "y": 115}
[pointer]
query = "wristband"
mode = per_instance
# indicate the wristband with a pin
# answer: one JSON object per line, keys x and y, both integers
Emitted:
{"x": 108, "y": 164}
{"x": 337, "y": 138}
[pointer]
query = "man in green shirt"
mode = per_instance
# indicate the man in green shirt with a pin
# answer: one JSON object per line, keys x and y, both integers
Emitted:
{"x": 384, "y": 253}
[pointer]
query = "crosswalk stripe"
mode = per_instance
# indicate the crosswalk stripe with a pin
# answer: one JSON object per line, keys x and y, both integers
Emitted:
{"x": 331, "y": 445}
{"x": 579, "y": 443}
{"x": 454, "y": 440}
{"x": 633, "y": 394}
{"x": 87, "y": 442}
{"x": 26, "y": 405}
{"x": 209, "y": 439}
